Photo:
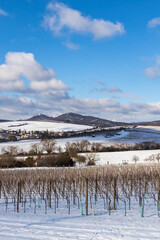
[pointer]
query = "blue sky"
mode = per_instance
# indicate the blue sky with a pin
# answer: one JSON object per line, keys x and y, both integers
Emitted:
{"x": 98, "y": 57}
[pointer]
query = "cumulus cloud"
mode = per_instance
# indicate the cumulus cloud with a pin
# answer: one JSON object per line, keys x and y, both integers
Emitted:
{"x": 3, "y": 13}
{"x": 60, "y": 17}
{"x": 154, "y": 72}
{"x": 20, "y": 65}
{"x": 154, "y": 22}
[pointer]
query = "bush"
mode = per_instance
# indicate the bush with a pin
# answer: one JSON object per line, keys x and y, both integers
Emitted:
{"x": 29, "y": 162}
{"x": 56, "y": 160}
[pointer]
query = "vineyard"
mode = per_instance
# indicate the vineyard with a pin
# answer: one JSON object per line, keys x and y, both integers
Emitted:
{"x": 85, "y": 189}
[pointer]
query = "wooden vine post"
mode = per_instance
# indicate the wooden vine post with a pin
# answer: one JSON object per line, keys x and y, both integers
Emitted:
{"x": 114, "y": 193}
{"x": 50, "y": 192}
{"x": 18, "y": 195}
{"x": 96, "y": 186}
{"x": 131, "y": 183}
{"x": 0, "y": 188}
{"x": 74, "y": 194}
{"x": 158, "y": 192}
{"x": 86, "y": 196}
{"x": 139, "y": 192}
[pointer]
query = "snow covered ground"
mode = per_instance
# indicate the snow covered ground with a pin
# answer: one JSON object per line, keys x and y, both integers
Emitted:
{"x": 127, "y": 156}
{"x": 25, "y": 144}
{"x": 62, "y": 226}
{"x": 154, "y": 128}
{"x": 42, "y": 126}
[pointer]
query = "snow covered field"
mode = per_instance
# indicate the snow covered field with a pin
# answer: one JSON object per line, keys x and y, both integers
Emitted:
{"x": 25, "y": 144}
{"x": 42, "y": 126}
{"x": 154, "y": 128}
{"x": 59, "y": 226}
{"x": 127, "y": 156}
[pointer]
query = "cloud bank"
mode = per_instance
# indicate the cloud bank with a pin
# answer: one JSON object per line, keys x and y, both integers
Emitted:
{"x": 35, "y": 89}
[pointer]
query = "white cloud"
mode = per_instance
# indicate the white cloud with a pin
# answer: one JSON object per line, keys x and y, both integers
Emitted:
{"x": 154, "y": 22}
{"x": 19, "y": 65}
{"x": 154, "y": 72}
{"x": 71, "y": 46}
{"x": 45, "y": 86}
{"x": 10, "y": 86}
{"x": 60, "y": 17}
{"x": 3, "y": 13}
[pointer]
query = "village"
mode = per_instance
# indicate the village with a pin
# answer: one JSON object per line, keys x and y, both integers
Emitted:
{"x": 17, "y": 135}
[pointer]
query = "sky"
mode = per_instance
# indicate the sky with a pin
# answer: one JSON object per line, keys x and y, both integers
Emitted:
{"x": 99, "y": 58}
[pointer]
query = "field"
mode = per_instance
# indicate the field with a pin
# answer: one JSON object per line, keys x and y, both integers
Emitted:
{"x": 51, "y": 204}
{"x": 41, "y": 126}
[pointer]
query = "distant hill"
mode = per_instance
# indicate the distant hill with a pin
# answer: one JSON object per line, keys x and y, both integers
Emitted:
{"x": 152, "y": 123}
{"x": 2, "y": 120}
{"x": 40, "y": 117}
{"x": 86, "y": 120}
{"x": 77, "y": 119}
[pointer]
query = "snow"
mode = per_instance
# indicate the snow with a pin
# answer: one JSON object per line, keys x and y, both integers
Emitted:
{"x": 42, "y": 126}
{"x": 62, "y": 226}
{"x": 154, "y": 128}
{"x": 127, "y": 156}
{"x": 24, "y": 144}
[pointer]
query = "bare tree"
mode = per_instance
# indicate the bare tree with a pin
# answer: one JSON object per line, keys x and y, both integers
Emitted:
{"x": 158, "y": 157}
{"x": 36, "y": 148}
{"x": 80, "y": 159}
{"x": 91, "y": 159}
{"x": 49, "y": 145}
{"x": 135, "y": 159}
{"x": 96, "y": 146}
{"x": 12, "y": 150}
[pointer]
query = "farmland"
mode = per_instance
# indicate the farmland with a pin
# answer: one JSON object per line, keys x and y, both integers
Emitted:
{"x": 105, "y": 203}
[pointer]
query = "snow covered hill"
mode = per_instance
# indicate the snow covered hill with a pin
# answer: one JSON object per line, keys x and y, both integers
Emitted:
{"x": 42, "y": 126}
